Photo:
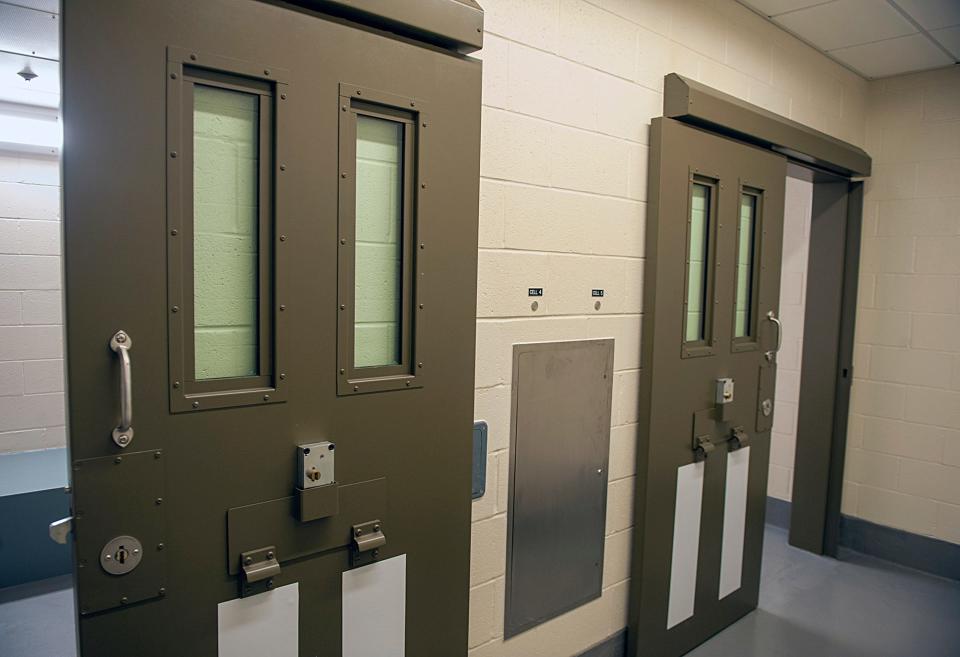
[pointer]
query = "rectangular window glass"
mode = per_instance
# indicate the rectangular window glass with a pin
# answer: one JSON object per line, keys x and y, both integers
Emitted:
{"x": 697, "y": 263}
{"x": 225, "y": 232}
{"x": 379, "y": 242}
{"x": 746, "y": 233}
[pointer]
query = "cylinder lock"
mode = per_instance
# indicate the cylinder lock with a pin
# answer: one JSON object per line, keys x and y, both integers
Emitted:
{"x": 121, "y": 555}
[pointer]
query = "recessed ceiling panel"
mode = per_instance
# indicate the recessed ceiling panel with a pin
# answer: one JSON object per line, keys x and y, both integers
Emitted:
{"x": 774, "y": 7}
{"x": 949, "y": 38}
{"x": 932, "y": 14}
{"x": 893, "y": 57}
{"x": 29, "y": 31}
{"x": 846, "y": 23}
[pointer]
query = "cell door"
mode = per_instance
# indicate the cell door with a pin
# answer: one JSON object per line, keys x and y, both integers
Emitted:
{"x": 270, "y": 265}
{"x": 711, "y": 335}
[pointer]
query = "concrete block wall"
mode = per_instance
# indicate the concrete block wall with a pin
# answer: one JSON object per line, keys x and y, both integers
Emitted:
{"x": 31, "y": 342}
{"x": 903, "y": 457}
{"x": 798, "y": 206}
{"x": 570, "y": 87}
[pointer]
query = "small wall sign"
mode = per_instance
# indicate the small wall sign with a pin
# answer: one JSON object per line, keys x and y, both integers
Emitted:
{"x": 596, "y": 293}
{"x": 535, "y": 292}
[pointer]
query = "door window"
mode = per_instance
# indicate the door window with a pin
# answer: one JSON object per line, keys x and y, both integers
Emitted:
{"x": 747, "y": 274}
{"x": 225, "y": 233}
{"x": 380, "y": 141}
{"x": 698, "y": 309}
{"x": 222, "y": 198}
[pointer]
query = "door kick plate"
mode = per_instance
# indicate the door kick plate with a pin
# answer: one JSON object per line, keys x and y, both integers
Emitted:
{"x": 119, "y": 527}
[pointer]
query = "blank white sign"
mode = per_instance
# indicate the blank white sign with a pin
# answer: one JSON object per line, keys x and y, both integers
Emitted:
{"x": 263, "y": 624}
{"x": 375, "y": 609}
{"x": 734, "y": 521}
{"x": 686, "y": 543}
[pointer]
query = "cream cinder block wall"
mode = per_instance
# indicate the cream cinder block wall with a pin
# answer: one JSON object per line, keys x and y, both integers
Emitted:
{"x": 31, "y": 342}
{"x": 570, "y": 87}
{"x": 798, "y": 205}
{"x": 903, "y": 449}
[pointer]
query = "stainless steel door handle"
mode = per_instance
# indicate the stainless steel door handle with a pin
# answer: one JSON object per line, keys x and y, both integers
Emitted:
{"x": 121, "y": 343}
{"x": 773, "y": 318}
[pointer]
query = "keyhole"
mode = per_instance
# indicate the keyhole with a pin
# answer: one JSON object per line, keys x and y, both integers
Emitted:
{"x": 121, "y": 555}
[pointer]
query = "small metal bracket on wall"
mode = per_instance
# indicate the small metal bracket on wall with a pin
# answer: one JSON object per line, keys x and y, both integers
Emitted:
{"x": 259, "y": 567}
{"x": 702, "y": 446}
{"x": 368, "y": 538}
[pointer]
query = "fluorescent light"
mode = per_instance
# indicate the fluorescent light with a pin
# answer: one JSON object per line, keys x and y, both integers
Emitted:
{"x": 30, "y": 133}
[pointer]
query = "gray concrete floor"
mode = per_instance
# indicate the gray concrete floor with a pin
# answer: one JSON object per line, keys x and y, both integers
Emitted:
{"x": 809, "y": 607}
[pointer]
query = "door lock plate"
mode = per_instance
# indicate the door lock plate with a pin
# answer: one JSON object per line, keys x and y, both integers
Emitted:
{"x": 121, "y": 555}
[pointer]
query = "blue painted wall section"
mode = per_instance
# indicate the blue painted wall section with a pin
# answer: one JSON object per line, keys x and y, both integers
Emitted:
{"x": 31, "y": 497}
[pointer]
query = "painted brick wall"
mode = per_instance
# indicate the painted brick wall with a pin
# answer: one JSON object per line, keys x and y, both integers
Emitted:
{"x": 31, "y": 343}
{"x": 903, "y": 458}
{"x": 798, "y": 205}
{"x": 569, "y": 90}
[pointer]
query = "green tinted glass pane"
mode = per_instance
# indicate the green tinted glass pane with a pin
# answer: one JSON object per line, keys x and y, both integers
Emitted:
{"x": 697, "y": 275}
{"x": 225, "y": 229}
{"x": 379, "y": 239}
{"x": 745, "y": 253}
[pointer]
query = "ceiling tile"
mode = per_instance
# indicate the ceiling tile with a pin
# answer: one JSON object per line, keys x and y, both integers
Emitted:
{"x": 774, "y": 7}
{"x": 51, "y": 6}
{"x": 949, "y": 38}
{"x": 893, "y": 56}
{"x": 932, "y": 14}
{"x": 846, "y": 23}
{"x": 30, "y": 32}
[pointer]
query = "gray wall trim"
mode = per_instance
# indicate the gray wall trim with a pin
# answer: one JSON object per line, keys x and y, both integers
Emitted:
{"x": 923, "y": 553}
{"x": 614, "y": 646}
{"x": 911, "y": 550}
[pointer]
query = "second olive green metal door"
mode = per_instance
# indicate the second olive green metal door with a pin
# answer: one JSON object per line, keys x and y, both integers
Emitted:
{"x": 707, "y": 385}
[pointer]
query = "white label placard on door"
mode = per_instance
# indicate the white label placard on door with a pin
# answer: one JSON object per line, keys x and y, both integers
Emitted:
{"x": 263, "y": 624}
{"x": 375, "y": 608}
{"x": 686, "y": 543}
{"x": 734, "y": 521}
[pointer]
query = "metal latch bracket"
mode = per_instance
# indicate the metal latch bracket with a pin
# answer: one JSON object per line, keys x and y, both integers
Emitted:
{"x": 702, "y": 446}
{"x": 738, "y": 438}
{"x": 367, "y": 540}
{"x": 258, "y": 568}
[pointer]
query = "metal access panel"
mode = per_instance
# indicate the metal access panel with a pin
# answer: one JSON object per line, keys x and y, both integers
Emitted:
{"x": 559, "y": 449}
{"x": 253, "y": 125}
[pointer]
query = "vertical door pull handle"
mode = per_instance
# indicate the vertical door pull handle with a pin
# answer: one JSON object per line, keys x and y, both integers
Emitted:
{"x": 779, "y": 325}
{"x": 121, "y": 342}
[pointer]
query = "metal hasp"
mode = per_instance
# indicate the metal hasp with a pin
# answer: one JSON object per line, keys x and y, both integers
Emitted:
{"x": 258, "y": 568}
{"x": 121, "y": 343}
{"x": 60, "y": 528}
{"x": 738, "y": 439}
{"x": 702, "y": 446}
{"x": 367, "y": 540}
{"x": 315, "y": 464}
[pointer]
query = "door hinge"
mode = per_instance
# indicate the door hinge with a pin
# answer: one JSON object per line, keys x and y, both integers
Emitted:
{"x": 259, "y": 567}
{"x": 368, "y": 538}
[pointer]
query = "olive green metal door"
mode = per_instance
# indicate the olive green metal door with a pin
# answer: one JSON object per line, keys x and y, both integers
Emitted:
{"x": 711, "y": 335}
{"x": 270, "y": 259}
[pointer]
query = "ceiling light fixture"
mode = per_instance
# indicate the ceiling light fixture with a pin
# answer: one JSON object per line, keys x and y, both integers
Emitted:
{"x": 27, "y": 73}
